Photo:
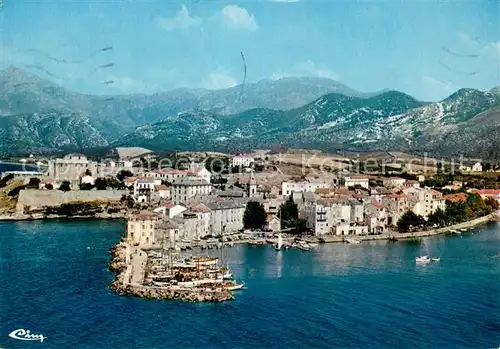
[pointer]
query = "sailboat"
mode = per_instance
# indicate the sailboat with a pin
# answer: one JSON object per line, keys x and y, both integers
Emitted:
{"x": 423, "y": 258}
{"x": 280, "y": 243}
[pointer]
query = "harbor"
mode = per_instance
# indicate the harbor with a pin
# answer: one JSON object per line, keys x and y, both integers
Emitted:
{"x": 171, "y": 273}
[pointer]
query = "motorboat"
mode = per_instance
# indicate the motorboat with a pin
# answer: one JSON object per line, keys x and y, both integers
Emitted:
{"x": 437, "y": 259}
{"x": 422, "y": 259}
{"x": 234, "y": 286}
{"x": 353, "y": 241}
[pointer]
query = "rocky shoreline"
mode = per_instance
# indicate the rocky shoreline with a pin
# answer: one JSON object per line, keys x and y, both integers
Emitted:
{"x": 36, "y": 217}
{"x": 122, "y": 286}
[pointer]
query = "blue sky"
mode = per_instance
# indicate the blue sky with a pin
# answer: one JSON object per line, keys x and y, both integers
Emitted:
{"x": 428, "y": 49}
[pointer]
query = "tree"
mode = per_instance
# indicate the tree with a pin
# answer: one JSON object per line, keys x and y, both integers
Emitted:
{"x": 409, "y": 220}
{"x": 124, "y": 174}
{"x": 86, "y": 186}
{"x": 65, "y": 186}
{"x": 114, "y": 183}
{"x": 288, "y": 213}
{"x": 49, "y": 186}
{"x": 438, "y": 217}
{"x": 33, "y": 183}
{"x": 254, "y": 216}
{"x": 492, "y": 203}
{"x": 101, "y": 183}
{"x": 88, "y": 173}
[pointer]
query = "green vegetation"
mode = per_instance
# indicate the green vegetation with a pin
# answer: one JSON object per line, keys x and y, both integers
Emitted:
{"x": 254, "y": 216}
{"x": 409, "y": 221}
{"x": 124, "y": 174}
{"x": 455, "y": 213}
{"x": 289, "y": 215}
{"x": 65, "y": 186}
{"x": 4, "y": 181}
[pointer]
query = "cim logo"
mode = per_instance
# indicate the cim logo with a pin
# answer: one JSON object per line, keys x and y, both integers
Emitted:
{"x": 25, "y": 335}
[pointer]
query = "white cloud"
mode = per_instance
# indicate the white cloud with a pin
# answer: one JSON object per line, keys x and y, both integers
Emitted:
{"x": 217, "y": 80}
{"x": 308, "y": 69}
{"x": 182, "y": 20}
{"x": 238, "y": 18}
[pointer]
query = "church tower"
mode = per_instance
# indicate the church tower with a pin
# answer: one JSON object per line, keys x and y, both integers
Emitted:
{"x": 252, "y": 186}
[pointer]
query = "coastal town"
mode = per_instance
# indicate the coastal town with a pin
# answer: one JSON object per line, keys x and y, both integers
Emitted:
{"x": 175, "y": 215}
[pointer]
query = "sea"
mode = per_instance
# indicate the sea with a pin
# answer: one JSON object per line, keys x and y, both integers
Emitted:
{"x": 54, "y": 282}
{"x": 9, "y": 166}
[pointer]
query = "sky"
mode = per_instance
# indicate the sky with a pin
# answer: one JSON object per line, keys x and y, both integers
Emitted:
{"x": 426, "y": 48}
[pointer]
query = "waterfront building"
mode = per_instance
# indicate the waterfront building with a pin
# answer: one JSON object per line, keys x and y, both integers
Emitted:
{"x": 185, "y": 188}
{"x": 317, "y": 215}
{"x": 396, "y": 205}
{"x": 273, "y": 223}
{"x": 141, "y": 228}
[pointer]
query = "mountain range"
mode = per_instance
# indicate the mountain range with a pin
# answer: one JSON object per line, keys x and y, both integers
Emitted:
{"x": 39, "y": 116}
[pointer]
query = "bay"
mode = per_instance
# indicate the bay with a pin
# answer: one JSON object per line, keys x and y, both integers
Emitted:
{"x": 55, "y": 282}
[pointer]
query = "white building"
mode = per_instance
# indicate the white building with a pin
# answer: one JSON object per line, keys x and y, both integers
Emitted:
{"x": 354, "y": 180}
{"x": 169, "y": 210}
{"x": 226, "y": 213}
{"x": 477, "y": 167}
{"x": 424, "y": 201}
{"x": 161, "y": 191}
{"x": 288, "y": 188}
{"x": 242, "y": 160}
{"x": 317, "y": 216}
{"x": 144, "y": 188}
{"x": 185, "y": 188}
{"x": 273, "y": 223}
{"x": 393, "y": 182}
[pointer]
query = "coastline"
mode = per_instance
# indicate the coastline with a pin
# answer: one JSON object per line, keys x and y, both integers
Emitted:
{"x": 40, "y": 217}
{"x": 419, "y": 234}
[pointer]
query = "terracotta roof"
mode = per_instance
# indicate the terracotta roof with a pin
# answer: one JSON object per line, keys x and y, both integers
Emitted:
{"x": 362, "y": 177}
{"x": 129, "y": 179}
{"x": 455, "y": 197}
{"x": 145, "y": 215}
{"x": 324, "y": 190}
{"x": 166, "y": 204}
{"x": 376, "y": 204}
{"x": 201, "y": 208}
{"x": 494, "y": 192}
{"x": 393, "y": 179}
{"x": 161, "y": 187}
{"x": 397, "y": 196}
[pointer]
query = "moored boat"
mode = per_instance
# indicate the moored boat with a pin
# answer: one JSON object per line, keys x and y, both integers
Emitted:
{"x": 436, "y": 259}
{"x": 353, "y": 241}
{"x": 422, "y": 259}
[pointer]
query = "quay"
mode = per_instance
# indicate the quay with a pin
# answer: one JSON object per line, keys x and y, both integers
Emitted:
{"x": 137, "y": 275}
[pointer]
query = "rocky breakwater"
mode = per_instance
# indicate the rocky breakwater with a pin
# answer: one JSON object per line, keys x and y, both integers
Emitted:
{"x": 120, "y": 265}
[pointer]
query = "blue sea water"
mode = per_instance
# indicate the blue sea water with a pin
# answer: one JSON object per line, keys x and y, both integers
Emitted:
{"x": 7, "y": 166}
{"x": 54, "y": 281}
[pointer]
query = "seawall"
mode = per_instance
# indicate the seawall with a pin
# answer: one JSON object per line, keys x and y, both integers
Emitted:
{"x": 419, "y": 234}
{"x": 35, "y": 198}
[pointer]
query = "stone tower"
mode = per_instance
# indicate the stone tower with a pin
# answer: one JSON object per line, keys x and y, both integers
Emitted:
{"x": 252, "y": 186}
